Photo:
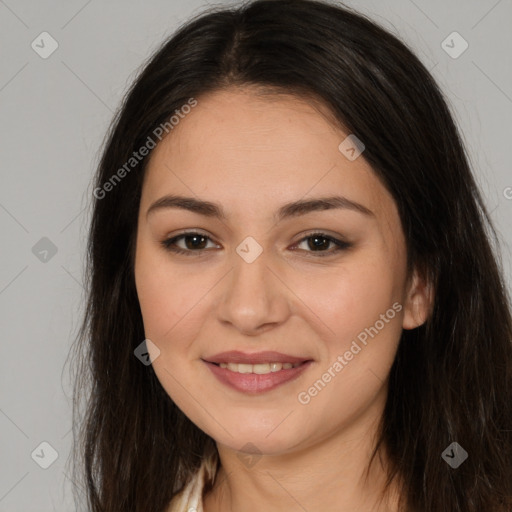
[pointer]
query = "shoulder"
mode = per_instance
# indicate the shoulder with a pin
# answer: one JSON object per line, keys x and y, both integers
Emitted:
{"x": 189, "y": 499}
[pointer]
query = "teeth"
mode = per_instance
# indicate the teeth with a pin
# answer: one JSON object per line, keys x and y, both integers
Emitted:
{"x": 260, "y": 369}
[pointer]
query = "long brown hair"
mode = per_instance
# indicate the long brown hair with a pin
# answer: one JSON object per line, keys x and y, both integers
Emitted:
{"x": 451, "y": 380}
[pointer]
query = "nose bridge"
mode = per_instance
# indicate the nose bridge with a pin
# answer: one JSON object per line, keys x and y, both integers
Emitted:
{"x": 253, "y": 296}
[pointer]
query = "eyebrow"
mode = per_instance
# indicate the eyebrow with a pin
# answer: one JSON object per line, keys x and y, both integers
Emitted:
{"x": 294, "y": 209}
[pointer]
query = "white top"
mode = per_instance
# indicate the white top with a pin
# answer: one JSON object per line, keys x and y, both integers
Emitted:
{"x": 190, "y": 498}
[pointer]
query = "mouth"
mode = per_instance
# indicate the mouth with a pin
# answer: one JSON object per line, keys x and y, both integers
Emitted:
{"x": 258, "y": 369}
{"x": 255, "y": 358}
{"x": 256, "y": 373}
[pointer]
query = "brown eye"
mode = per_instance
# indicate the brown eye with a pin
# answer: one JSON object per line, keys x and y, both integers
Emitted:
{"x": 320, "y": 243}
{"x": 195, "y": 241}
{"x": 191, "y": 242}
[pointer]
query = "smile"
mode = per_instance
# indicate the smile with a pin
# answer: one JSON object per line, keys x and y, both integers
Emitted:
{"x": 260, "y": 369}
{"x": 256, "y": 378}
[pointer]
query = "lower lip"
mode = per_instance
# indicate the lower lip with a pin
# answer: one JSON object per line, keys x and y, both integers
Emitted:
{"x": 256, "y": 383}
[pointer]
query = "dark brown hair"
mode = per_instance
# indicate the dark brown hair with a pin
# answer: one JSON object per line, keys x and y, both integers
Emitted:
{"x": 451, "y": 380}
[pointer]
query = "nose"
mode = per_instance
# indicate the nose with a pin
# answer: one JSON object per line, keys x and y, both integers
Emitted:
{"x": 254, "y": 299}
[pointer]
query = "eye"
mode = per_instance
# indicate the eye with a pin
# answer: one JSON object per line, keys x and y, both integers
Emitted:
{"x": 320, "y": 242}
{"x": 195, "y": 242}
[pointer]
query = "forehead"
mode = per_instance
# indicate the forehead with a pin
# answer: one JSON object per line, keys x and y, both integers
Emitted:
{"x": 256, "y": 152}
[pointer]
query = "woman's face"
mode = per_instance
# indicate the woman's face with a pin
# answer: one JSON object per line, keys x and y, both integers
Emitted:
{"x": 255, "y": 278}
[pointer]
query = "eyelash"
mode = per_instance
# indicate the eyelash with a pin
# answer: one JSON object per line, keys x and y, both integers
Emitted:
{"x": 340, "y": 245}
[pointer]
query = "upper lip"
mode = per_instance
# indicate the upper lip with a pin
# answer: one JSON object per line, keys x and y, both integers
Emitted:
{"x": 235, "y": 356}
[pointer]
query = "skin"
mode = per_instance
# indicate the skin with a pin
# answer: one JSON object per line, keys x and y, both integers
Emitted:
{"x": 251, "y": 154}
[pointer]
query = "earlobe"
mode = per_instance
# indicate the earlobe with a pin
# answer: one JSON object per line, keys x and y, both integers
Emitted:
{"x": 419, "y": 302}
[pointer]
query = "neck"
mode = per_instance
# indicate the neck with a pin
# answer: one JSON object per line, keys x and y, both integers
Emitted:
{"x": 334, "y": 473}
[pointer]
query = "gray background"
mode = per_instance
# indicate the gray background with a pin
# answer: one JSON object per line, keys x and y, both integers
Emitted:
{"x": 53, "y": 116}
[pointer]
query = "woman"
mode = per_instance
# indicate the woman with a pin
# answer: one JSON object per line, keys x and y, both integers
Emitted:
{"x": 294, "y": 300}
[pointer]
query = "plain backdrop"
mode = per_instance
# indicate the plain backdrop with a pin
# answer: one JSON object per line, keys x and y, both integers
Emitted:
{"x": 54, "y": 112}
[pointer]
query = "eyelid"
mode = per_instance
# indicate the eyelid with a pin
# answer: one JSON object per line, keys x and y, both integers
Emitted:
{"x": 321, "y": 233}
{"x": 168, "y": 241}
{"x": 339, "y": 242}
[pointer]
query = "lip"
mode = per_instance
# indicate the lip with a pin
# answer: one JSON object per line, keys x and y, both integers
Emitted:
{"x": 235, "y": 356}
{"x": 253, "y": 383}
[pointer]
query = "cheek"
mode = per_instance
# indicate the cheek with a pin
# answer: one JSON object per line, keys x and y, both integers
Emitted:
{"x": 158, "y": 303}
{"x": 167, "y": 300}
{"x": 355, "y": 295}
{"x": 361, "y": 306}
{"x": 166, "y": 295}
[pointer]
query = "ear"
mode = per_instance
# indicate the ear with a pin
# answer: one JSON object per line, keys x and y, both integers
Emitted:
{"x": 419, "y": 301}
